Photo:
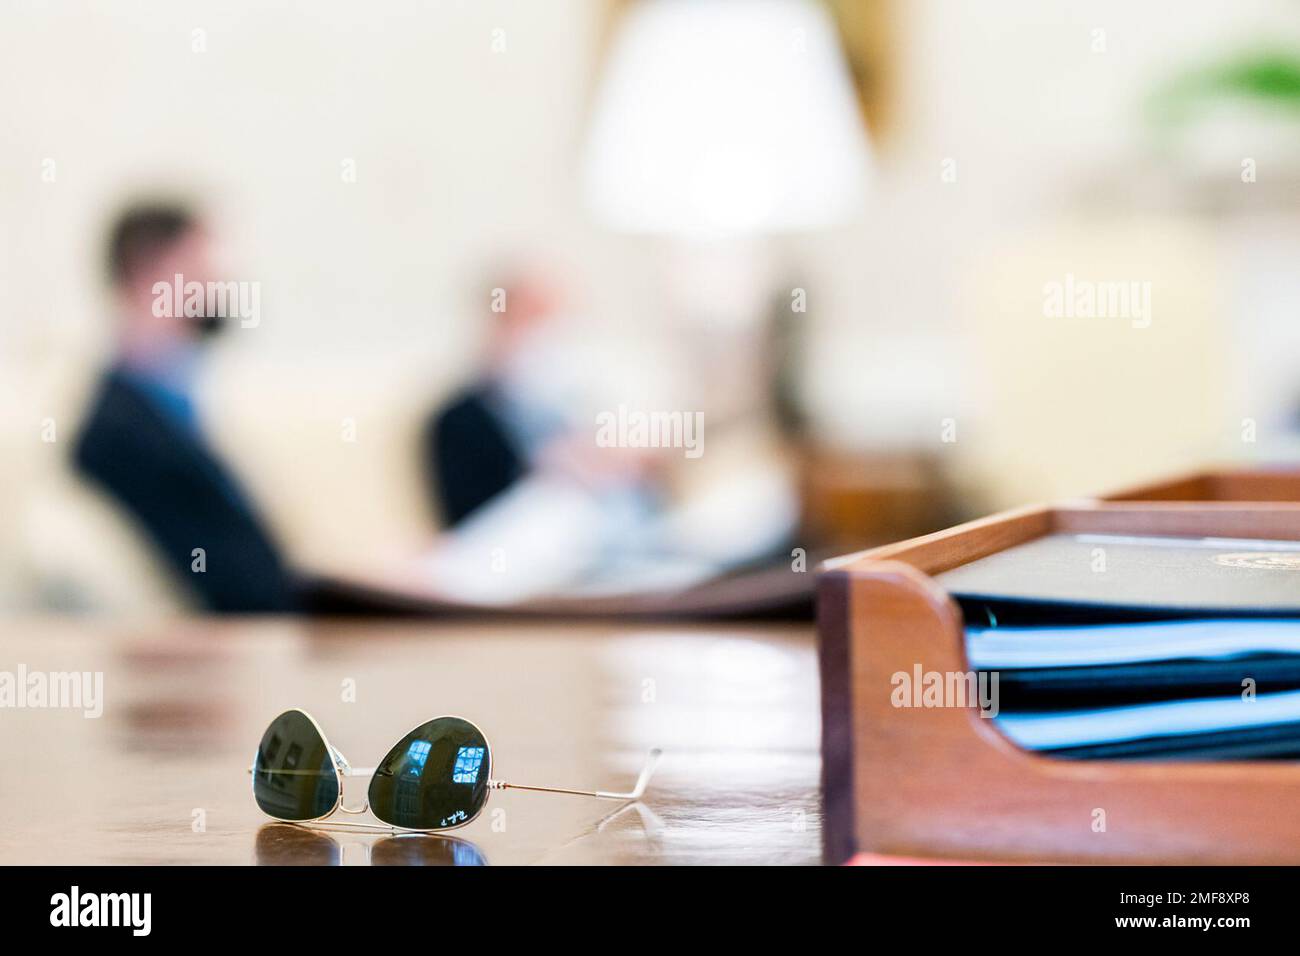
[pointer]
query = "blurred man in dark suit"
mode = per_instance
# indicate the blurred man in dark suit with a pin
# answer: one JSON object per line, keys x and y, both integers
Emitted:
{"x": 143, "y": 440}
{"x": 514, "y": 466}
{"x": 491, "y": 434}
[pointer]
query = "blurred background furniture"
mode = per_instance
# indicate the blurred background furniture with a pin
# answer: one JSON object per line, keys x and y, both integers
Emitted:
{"x": 1001, "y": 149}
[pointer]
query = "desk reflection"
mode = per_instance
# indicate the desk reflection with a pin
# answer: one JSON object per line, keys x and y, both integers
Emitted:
{"x": 422, "y": 849}
{"x": 284, "y": 844}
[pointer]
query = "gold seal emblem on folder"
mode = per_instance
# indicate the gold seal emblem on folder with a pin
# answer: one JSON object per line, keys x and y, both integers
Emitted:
{"x": 1267, "y": 560}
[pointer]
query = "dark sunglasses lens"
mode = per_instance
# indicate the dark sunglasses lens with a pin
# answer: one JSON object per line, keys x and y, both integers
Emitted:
{"x": 435, "y": 777}
{"x": 293, "y": 775}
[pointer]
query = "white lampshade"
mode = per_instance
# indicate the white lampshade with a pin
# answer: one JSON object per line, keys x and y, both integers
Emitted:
{"x": 725, "y": 117}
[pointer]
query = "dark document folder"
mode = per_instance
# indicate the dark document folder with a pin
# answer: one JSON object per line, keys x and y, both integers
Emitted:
{"x": 1090, "y": 577}
{"x": 1117, "y": 646}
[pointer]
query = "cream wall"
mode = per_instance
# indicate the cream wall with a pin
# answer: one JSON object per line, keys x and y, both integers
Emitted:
{"x": 936, "y": 294}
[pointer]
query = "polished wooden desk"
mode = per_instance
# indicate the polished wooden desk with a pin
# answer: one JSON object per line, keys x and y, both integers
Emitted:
{"x": 161, "y": 776}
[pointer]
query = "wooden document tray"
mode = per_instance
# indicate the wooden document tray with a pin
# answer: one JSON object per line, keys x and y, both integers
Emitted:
{"x": 1280, "y": 484}
{"x": 944, "y": 783}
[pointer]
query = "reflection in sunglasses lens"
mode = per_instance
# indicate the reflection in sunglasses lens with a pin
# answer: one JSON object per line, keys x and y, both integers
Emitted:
{"x": 293, "y": 775}
{"x": 435, "y": 777}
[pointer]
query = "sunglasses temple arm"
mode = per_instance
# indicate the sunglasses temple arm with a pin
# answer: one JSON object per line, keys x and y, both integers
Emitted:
{"x": 634, "y": 794}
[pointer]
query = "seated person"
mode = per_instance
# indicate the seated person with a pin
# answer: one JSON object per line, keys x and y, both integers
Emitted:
{"x": 142, "y": 440}
{"x": 514, "y": 469}
{"x": 535, "y": 505}
{"x": 490, "y": 435}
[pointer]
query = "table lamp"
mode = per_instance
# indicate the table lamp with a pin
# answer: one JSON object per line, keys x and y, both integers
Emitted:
{"x": 719, "y": 125}
{"x": 722, "y": 118}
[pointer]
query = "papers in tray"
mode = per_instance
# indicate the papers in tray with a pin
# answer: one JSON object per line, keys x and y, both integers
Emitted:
{"x": 1198, "y": 689}
{"x": 995, "y": 648}
{"x": 1268, "y": 724}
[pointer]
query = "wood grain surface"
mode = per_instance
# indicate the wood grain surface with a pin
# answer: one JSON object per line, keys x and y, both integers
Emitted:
{"x": 161, "y": 776}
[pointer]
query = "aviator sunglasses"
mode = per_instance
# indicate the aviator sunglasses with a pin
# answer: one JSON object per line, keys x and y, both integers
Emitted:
{"x": 437, "y": 777}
